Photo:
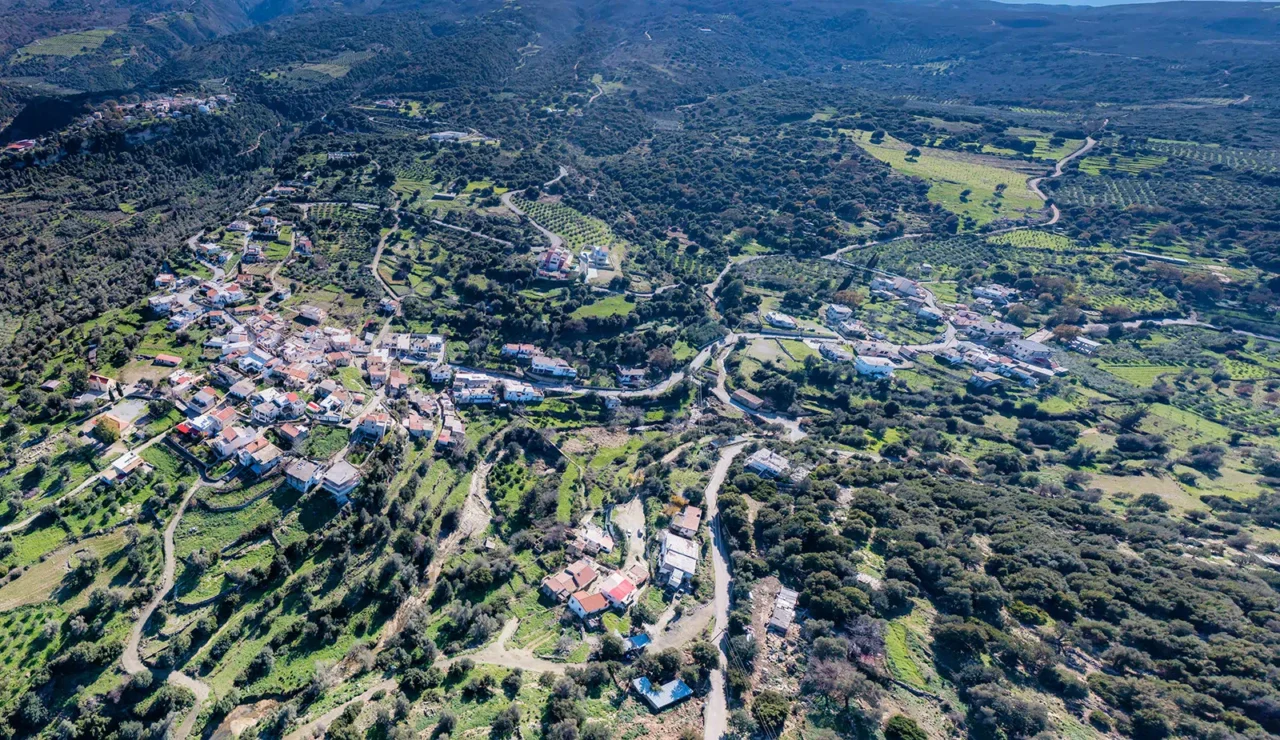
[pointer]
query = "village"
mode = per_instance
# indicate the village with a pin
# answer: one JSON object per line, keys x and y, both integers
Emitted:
{"x": 284, "y": 390}
{"x": 974, "y": 337}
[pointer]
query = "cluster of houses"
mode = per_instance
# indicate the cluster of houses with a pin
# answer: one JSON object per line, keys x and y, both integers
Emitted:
{"x": 472, "y": 389}
{"x": 539, "y": 364}
{"x": 1026, "y": 361}
{"x": 590, "y": 590}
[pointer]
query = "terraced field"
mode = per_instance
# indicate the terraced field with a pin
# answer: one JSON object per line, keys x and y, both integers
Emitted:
{"x": 65, "y": 45}
{"x": 578, "y": 230}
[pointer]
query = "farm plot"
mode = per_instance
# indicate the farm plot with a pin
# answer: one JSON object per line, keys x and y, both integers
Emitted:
{"x": 1143, "y": 376}
{"x": 783, "y": 273}
{"x": 1161, "y": 191}
{"x": 1256, "y": 160}
{"x": 947, "y": 256}
{"x": 1233, "y": 413}
{"x": 1042, "y": 240}
{"x": 1150, "y": 302}
{"x": 979, "y": 191}
{"x": 1115, "y": 163}
{"x": 65, "y": 45}
{"x": 578, "y": 230}
{"x": 213, "y": 532}
{"x": 614, "y": 305}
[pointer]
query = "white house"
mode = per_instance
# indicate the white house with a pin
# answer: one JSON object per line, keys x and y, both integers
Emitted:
{"x": 1029, "y": 351}
{"x": 553, "y": 366}
{"x": 837, "y": 313}
{"x": 994, "y": 329}
{"x": 780, "y": 320}
{"x": 618, "y": 590}
{"x": 835, "y": 353}
{"x": 678, "y": 560}
{"x": 768, "y": 463}
{"x": 231, "y": 439}
{"x": 514, "y": 391}
{"x": 587, "y": 605}
{"x": 303, "y": 475}
{"x": 995, "y": 293}
{"x": 876, "y": 367}
{"x": 375, "y": 425}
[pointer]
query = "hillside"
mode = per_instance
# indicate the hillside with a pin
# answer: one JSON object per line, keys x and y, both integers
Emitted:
{"x": 567, "y": 369}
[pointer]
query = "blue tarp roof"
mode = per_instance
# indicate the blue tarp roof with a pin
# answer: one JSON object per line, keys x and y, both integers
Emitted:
{"x": 663, "y": 696}
{"x": 635, "y": 642}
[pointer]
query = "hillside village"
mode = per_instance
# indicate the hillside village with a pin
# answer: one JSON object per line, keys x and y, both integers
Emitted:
{"x": 423, "y": 376}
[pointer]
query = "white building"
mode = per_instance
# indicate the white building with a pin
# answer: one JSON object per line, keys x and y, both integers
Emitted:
{"x": 876, "y": 367}
{"x": 767, "y": 462}
{"x": 678, "y": 560}
{"x": 837, "y": 313}
{"x": 780, "y": 320}
{"x": 341, "y": 480}
{"x": 515, "y": 391}
{"x": 1029, "y": 351}
{"x": 993, "y": 329}
{"x": 835, "y": 353}
{"x": 553, "y": 366}
{"x": 995, "y": 293}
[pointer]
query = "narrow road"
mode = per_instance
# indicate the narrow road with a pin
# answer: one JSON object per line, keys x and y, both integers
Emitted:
{"x": 495, "y": 239}
{"x": 130, "y": 659}
{"x": 1034, "y": 183}
{"x": 496, "y": 653}
{"x": 556, "y": 241}
{"x": 377, "y": 253}
{"x": 716, "y": 713}
{"x": 714, "y": 285}
{"x": 794, "y": 432}
{"x": 257, "y": 142}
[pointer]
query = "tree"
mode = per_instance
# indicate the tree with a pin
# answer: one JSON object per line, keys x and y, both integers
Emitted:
{"x": 611, "y": 647}
{"x": 1066, "y": 333}
{"x": 902, "y": 727}
{"x": 770, "y": 709}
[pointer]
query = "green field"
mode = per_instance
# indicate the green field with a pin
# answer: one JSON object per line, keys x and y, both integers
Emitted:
{"x": 963, "y": 187}
{"x": 614, "y": 305}
{"x": 1143, "y": 376}
{"x": 1130, "y": 165}
{"x": 66, "y": 45}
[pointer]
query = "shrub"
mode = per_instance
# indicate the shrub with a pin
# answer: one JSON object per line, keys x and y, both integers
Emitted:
{"x": 902, "y": 727}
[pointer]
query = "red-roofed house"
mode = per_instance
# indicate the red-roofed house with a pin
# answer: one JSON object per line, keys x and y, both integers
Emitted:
{"x": 587, "y": 605}
{"x": 686, "y": 524}
{"x": 574, "y": 577}
{"x": 619, "y": 590}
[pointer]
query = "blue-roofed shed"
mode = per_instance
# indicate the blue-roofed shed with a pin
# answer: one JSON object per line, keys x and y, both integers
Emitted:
{"x": 662, "y": 697}
{"x": 637, "y": 643}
